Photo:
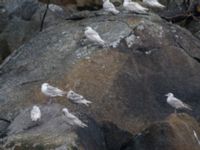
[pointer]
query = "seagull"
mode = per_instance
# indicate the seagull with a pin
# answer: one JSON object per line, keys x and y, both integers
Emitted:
{"x": 153, "y": 3}
{"x": 35, "y": 113}
{"x": 72, "y": 119}
{"x": 134, "y": 7}
{"x": 93, "y": 36}
{"x": 76, "y": 98}
{"x": 109, "y": 7}
{"x": 176, "y": 103}
{"x": 196, "y": 137}
{"x": 55, "y": 8}
{"x": 51, "y": 91}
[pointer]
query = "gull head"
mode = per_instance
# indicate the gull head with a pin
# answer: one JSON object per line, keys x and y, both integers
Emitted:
{"x": 44, "y": 86}
{"x": 169, "y": 94}
{"x": 70, "y": 93}
{"x": 88, "y": 28}
{"x": 65, "y": 111}
{"x": 36, "y": 107}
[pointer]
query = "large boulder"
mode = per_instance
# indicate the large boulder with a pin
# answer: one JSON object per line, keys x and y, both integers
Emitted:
{"x": 175, "y": 133}
{"x": 51, "y": 132}
{"x": 147, "y": 57}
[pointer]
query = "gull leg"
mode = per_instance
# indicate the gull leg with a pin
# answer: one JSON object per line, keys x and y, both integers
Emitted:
{"x": 175, "y": 111}
{"x": 49, "y": 100}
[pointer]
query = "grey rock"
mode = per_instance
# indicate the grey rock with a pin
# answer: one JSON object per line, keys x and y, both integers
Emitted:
{"x": 170, "y": 134}
{"x": 52, "y": 130}
{"x": 3, "y": 128}
{"x": 26, "y": 10}
{"x": 147, "y": 57}
{"x": 19, "y": 31}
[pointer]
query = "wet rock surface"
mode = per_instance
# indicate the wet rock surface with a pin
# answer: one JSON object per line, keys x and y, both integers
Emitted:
{"x": 147, "y": 57}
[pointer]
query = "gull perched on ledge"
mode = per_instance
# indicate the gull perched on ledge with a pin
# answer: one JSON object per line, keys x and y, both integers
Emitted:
{"x": 93, "y": 36}
{"x": 109, "y": 7}
{"x": 72, "y": 119}
{"x": 35, "y": 113}
{"x": 51, "y": 91}
{"x": 134, "y": 7}
{"x": 76, "y": 98}
{"x": 153, "y": 3}
{"x": 176, "y": 103}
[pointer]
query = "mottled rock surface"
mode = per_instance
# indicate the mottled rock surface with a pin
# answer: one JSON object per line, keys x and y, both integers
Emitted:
{"x": 175, "y": 133}
{"x": 147, "y": 57}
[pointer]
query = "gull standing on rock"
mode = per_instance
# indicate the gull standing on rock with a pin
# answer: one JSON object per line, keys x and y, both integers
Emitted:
{"x": 76, "y": 98}
{"x": 35, "y": 113}
{"x": 51, "y": 91}
{"x": 93, "y": 36}
{"x": 72, "y": 119}
{"x": 176, "y": 103}
{"x": 134, "y": 7}
{"x": 153, "y": 3}
{"x": 55, "y": 8}
{"x": 109, "y": 7}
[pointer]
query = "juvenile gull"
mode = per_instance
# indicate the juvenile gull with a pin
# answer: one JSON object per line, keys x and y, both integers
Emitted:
{"x": 72, "y": 119}
{"x": 134, "y": 7}
{"x": 51, "y": 91}
{"x": 109, "y": 7}
{"x": 35, "y": 113}
{"x": 76, "y": 98}
{"x": 93, "y": 36}
{"x": 176, "y": 103}
{"x": 153, "y": 3}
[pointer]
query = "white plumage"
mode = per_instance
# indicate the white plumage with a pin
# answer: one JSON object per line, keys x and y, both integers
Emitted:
{"x": 76, "y": 98}
{"x": 35, "y": 113}
{"x": 153, "y": 3}
{"x": 134, "y": 7}
{"x": 72, "y": 119}
{"x": 196, "y": 137}
{"x": 55, "y": 8}
{"x": 176, "y": 103}
{"x": 93, "y": 36}
{"x": 51, "y": 91}
{"x": 109, "y": 7}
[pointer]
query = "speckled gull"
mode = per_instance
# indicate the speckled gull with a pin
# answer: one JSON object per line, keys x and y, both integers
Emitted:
{"x": 134, "y": 7}
{"x": 51, "y": 91}
{"x": 109, "y": 7}
{"x": 76, "y": 98}
{"x": 93, "y": 36}
{"x": 35, "y": 113}
{"x": 153, "y": 3}
{"x": 176, "y": 103}
{"x": 72, "y": 119}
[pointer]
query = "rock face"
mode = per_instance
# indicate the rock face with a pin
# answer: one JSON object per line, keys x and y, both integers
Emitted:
{"x": 147, "y": 57}
{"x": 177, "y": 132}
{"x": 92, "y": 4}
{"x": 52, "y": 131}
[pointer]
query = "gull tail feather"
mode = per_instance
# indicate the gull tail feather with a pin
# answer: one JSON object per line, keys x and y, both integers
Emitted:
{"x": 160, "y": 5}
{"x": 86, "y": 102}
{"x": 115, "y": 12}
{"x": 187, "y": 106}
{"x": 83, "y": 125}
